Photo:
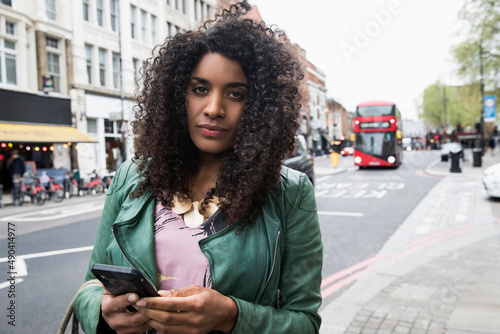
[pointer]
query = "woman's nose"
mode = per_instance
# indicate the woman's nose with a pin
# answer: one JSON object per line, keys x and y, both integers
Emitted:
{"x": 214, "y": 107}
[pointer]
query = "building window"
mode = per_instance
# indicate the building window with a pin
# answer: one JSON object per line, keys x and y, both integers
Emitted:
{"x": 135, "y": 62}
{"x": 116, "y": 70}
{"x": 54, "y": 70}
{"x": 10, "y": 28}
{"x": 176, "y": 4}
{"x": 91, "y": 125}
{"x": 6, "y": 2}
{"x": 8, "y": 63}
{"x": 143, "y": 26}
{"x": 86, "y": 10}
{"x": 183, "y": 4}
{"x": 153, "y": 29}
{"x": 88, "y": 53}
{"x": 51, "y": 9}
{"x": 169, "y": 29}
{"x": 168, "y": 2}
{"x": 112, "y": 14}
{"x": 132, "y": 21}
{"x": 52, "y": 42}
{"x": 102, "y": 67}
{"x": 196, "y": 10}
{"x": 99, "y": 10}
{"x": 109, "y": 126}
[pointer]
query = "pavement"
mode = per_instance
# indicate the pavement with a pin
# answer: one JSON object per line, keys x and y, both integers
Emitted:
{"x": 439, "y": 272}
{"x": 7, "y": 206}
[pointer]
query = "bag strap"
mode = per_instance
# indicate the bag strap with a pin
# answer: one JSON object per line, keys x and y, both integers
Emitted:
{"x": 70, "y": 311}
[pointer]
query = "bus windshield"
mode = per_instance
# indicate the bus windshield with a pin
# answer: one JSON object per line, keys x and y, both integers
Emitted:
{"x": 375, "y": 111}
{"x": 379, "y": 144}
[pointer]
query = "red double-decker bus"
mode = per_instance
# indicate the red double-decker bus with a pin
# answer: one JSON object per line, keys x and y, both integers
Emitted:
{"x": 378, "y": 134}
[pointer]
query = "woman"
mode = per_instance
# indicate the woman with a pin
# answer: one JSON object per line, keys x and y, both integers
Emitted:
{"x": 205, "y": 211}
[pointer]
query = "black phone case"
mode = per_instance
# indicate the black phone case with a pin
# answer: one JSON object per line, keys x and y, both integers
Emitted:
{"x": 122, "y": 280}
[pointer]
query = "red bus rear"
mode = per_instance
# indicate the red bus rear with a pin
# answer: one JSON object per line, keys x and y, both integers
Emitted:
{"x": 378, "y": 134}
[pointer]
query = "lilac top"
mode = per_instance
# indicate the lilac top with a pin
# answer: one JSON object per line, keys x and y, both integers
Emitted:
{"x": 179, "y": 259}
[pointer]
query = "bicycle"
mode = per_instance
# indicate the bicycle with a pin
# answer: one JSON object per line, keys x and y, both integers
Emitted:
{"x": 28, "y": 185}
{"x": 72, "y": 187}
{"x": 54, "y": 191}
{"x": 96, "y": 185}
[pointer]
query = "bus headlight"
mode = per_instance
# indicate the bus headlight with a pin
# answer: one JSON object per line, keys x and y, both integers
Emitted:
{"x": 391, "y": 160}
{"x": 357, "y": 160}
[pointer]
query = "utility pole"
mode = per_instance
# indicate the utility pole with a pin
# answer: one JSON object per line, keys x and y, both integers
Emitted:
{"x": 123, "y": 150}
{"x": 481, "y": 87}
{"x": 444, "y": 107}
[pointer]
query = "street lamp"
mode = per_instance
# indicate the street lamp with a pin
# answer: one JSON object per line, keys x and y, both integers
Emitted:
{"x": 481, "y": 87}
{"x": 122, "y": 125}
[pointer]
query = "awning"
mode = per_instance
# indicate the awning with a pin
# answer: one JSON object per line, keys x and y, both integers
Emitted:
{"x": 22, "y": 133}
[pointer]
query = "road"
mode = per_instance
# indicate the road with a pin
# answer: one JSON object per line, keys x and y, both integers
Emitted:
{"x": 358, "y": 212}
{"x": 359, "y": 209}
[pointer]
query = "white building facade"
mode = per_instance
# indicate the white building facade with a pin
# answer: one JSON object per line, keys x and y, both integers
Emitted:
{"x": 77, "y": 63}
{"x": 318, "y": 109}
{"x": 35, "y": 44}
{"x": 107, "y": 33}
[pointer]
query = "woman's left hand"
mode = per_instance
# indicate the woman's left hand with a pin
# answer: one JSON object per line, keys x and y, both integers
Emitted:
{"x": 190, "y": 310}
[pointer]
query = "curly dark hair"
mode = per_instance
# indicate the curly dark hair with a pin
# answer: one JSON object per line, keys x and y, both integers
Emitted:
{"x": 166, "y": 156}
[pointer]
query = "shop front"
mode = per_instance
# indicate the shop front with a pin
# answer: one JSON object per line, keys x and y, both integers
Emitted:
{"x": 38, "y": 128}
{"x": 107, "y": 119}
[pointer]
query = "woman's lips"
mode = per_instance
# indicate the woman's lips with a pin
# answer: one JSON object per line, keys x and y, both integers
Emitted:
{"x": 211, "y": 131}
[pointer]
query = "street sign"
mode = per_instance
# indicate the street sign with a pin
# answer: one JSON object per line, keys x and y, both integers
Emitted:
{"x": 489, "y": 108}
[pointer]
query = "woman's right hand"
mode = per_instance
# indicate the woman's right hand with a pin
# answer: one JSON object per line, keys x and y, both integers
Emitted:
{"x": 115, "y": 313}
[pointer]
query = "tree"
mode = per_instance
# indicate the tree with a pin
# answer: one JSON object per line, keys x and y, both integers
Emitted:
{"x": 433, "y": 112}
{"x": 482, "y": 19}
{"x": 449, "y": 106}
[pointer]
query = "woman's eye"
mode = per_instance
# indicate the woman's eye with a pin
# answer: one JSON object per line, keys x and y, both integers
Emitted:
{"x": 199, "y": 90}
{"x": 236, "y": 95}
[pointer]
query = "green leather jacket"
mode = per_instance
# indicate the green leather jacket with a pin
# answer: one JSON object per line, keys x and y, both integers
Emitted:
{"x": 271, "y": 270}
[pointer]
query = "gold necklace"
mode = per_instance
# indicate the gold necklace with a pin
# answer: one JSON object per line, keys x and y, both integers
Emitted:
{"x": 190, "y": 211}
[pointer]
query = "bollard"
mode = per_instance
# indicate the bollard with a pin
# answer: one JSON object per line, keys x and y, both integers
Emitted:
{"x": 1, "y": 195}
{"x": 476, "y": 157}
{"x": 455, "y": 162}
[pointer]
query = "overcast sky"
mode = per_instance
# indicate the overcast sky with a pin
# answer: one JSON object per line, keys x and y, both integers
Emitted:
{"x": 373, "y": 49}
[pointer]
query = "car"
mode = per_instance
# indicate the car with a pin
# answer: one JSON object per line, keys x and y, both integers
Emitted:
{"x": 301, "y": 159}
{"x": 347, "y": 151}
{"x": 491, "y": 180}
{"x": 448, "y": 148}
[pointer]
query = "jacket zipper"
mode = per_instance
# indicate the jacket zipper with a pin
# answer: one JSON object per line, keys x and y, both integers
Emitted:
{"x": 274, "y": 260}
{"x": 128, "y": 260}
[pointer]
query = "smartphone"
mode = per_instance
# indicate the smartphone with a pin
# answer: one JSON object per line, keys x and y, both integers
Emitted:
{"x": 122, "y": 280}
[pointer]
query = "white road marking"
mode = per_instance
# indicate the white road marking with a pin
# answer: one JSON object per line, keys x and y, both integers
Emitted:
{"x": 21, "y": 269}
{"x": 321, "y": 193}
{"x": 50, "y": 253}
{"x": 334, "y": 213}
{"x": 321, "y": 179}
{"x": 8, "y": 284}
{"x": 49, "y": 214}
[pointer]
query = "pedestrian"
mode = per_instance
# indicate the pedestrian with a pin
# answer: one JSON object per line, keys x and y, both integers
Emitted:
{"x": 205, "y": 209}
{"x": 491, "y": 145}
{"x": 16, "y": 164}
